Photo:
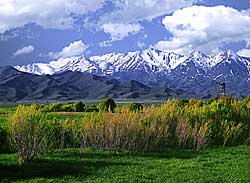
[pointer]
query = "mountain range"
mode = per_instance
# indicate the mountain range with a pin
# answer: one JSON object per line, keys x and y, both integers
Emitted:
{"x": 17, "y": 86}
{"x": 195, "y": 73}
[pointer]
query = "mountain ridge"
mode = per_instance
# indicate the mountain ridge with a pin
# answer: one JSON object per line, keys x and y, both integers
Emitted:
{"x": 17, "y": 86}
{"x": 194, "y": 73}
{"x": 150, "y": 59}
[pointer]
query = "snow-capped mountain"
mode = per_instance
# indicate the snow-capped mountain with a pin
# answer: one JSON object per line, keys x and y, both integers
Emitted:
{"x": 149, "y": 62}
{"x": 194, "y": 72}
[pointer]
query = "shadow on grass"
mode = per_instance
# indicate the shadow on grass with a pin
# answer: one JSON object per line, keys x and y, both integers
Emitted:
{"x": 57, "y": 165}
{"x": 72, "y": 163}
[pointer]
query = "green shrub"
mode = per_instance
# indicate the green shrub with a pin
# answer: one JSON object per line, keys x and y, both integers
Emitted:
{"x": 182, "y": 102}
{"x": 107, "y": 105}
{"x": 58, "y": 107}
{"x": 91, "y": 108}
{"x": 54, "y": 107}
{"x": 68, "y": 108}
{"x": 79, "y": 106}
{"x": 28, "y": 130}
{"x": 135, "y": 107}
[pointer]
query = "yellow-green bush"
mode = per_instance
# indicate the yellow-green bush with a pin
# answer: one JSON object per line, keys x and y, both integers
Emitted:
{"x": 28, "y": 130}
{"x": 192, "y": 124}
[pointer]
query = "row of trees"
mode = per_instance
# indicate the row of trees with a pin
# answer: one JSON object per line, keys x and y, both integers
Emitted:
{"x": 105, "y": 105}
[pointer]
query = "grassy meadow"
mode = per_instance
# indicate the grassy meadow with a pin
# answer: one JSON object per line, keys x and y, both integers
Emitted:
{"x": 227, "y": 165}
{"x": 178, "y": 141}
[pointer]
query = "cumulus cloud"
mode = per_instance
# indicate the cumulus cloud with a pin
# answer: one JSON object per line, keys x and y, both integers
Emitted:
{"x": 73, "y": 49}
{"x": 49, "y": 14}
{"x": 124, "y": 19}
{"x": 119, "y": 31}
{"x": 244, "y": 53}
{"x": 205, "y": 29}
{"x": 61, "y": 14}
{"x": 24, "y": 50}
{"x": 128, "y": 11}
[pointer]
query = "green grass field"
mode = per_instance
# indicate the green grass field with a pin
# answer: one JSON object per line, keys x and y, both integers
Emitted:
{"x": 5, "y": 110}
{"x": 212, "y": 165}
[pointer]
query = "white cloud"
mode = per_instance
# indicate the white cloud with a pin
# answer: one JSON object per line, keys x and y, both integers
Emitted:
{"x": 118, "y": 31}
{"x": 49, "y": 14}
{"x": 128, "y": 11}
{"x": 206, "y": 29}
{"x": 73, "y": 49}
{"x": 124, "y": 19}
{"x": 24, "y": 50}
{"x": 244, "y": 53}
{"x": 60, "y": 14}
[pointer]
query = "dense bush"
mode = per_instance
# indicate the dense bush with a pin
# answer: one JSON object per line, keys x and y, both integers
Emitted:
{"x": 192, "y": 124}
{"x": 107, "y": 105}
{"x": 28, "y": 130}
{"x": 55, "y": 107}
{"x": 91, "y": 108}
{"x": 149, "y": 131}
{"x": 64, "y": 134}
{"x": 59, "y": 107}
{"x": 135, "y": 107}
{"x": 79, "y": 106}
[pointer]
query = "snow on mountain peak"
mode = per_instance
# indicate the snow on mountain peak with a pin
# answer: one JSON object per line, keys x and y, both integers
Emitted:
{"x": 148, "y": 61}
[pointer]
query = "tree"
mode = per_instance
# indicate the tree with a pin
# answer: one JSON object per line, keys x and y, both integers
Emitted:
{"x": 135, "y": 107}
{"x": 107, "y": 105}
{"x": 79, "y": 106}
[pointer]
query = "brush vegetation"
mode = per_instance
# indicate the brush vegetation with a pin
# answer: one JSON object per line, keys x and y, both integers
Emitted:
{"x": 182, "y": 124}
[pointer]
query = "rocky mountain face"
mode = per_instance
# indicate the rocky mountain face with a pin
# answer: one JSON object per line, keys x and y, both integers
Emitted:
{"x": 195, "y": 72}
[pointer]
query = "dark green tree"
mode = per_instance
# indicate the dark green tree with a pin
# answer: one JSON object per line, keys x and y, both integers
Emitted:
{"x": 107, "y": 105}
{"x": 135, "y": 107}
{"x": 79, "y": 106}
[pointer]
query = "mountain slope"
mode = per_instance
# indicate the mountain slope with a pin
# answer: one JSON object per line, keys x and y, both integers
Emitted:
{"x": 69, "y": 85}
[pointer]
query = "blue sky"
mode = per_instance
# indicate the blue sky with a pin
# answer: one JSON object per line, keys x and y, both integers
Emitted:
{"x": 39, "y": 31}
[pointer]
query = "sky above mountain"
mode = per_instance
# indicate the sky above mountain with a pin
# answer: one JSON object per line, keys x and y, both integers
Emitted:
{"x": 41, "y": 31}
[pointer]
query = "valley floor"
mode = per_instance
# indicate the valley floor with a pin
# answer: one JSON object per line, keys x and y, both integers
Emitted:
{"x": 230, "y": 164}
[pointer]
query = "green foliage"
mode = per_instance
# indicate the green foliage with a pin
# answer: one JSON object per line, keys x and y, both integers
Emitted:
{"x": 5, "y": 141}
{"x": 28, "y": 131}
{"x": 191, "y": 124}
{"x": 64, "y": 134}
{"x": 182, "y": 102}
{"x": 66, "y": 107}
{"x": 55, "y": 107}
{"x": 135, "y": 107}
{"x": 107, "y": 105}
{"x": 91, "y": 108}
{"x": 79, "y": 106}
